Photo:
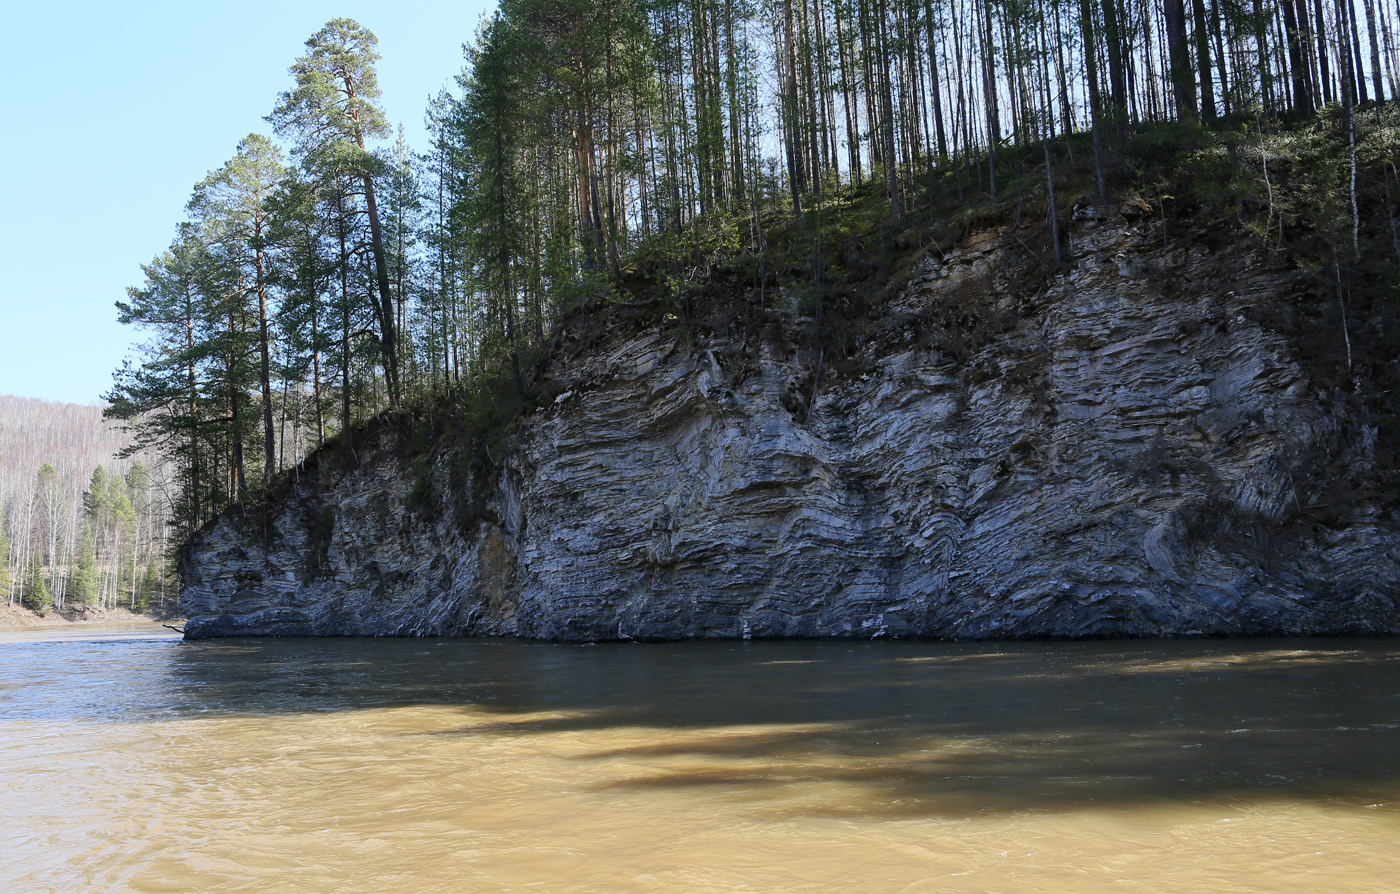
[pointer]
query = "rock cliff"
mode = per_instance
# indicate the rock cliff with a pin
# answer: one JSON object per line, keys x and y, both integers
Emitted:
{"x": 1127, "y": 448}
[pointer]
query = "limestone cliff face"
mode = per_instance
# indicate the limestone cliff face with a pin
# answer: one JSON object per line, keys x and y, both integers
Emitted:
{"x": 1128, "y": 452}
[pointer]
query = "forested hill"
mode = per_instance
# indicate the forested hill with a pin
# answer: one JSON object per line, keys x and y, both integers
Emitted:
{"x": 81, "y": 523}
{"x": 72, "y": 437}
{"x": 793, "y": 156}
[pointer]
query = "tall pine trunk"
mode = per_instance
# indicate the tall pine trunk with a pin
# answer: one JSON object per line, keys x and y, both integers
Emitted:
{"x": 1179, "y": 60}
{"x": 264, "y": 362}
{"x": 1117, "y": 77}
{"x": 388, "y": 335}
{"x": 1091, "y": 62}
{"x": 1201, "y": 32}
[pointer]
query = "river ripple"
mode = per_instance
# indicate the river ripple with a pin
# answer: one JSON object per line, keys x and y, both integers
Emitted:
{"x": 130, "y": 761}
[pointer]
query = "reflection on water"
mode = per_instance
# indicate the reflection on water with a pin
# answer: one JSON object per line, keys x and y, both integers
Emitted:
{"x": 136, "y": 762}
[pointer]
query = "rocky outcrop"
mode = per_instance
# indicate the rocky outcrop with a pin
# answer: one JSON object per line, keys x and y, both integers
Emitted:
{"x": 1123, "y": 450}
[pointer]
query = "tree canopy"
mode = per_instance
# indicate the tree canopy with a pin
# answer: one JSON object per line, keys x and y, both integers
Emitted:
{"x": 602, "y": 151}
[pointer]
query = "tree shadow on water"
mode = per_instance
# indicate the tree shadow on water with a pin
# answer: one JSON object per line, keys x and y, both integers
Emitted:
{"x": 883, "y": 730}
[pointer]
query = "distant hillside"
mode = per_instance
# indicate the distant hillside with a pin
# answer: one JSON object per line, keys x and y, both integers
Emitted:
{"x": 44, "y": 515}
{"x": 73, "y": 438}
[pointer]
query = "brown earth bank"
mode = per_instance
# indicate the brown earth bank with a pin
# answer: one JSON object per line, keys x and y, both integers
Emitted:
{"x": 19, "y": 616}
{"x": 1149, "y": 442}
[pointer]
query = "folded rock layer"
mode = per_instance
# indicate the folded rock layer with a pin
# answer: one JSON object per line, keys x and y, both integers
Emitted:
{"x": 1130, "y": 452}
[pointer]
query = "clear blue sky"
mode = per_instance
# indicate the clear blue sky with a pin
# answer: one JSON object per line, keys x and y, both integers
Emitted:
{"x": 114, "y": 111}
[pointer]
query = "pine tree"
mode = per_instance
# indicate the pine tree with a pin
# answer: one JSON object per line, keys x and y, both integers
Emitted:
{"x": 83, "y": 585}
{"x": 97, "y": 504}
{"x": 303, "y": 269}
{"x": 149, "y": 588}
{"x": 330, "y": 115}
{"x": 5, "y": 581}
{"x": 403, "y": 206}
{"x": 36, "y": 592}
{"x": 232, "y": 209}
{"x": 124, "y": 528}
{"x": 486, "y": 121}
{"x": 166, "y": 400}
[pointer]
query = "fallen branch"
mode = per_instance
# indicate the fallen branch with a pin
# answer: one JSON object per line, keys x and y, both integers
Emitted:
{"x": 1032, "y": 252}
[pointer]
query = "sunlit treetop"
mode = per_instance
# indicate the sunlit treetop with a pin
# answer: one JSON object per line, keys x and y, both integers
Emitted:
{"x": 336, "y": 98}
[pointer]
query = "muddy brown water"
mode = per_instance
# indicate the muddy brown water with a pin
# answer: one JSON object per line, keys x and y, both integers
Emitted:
{"x": 130, "y": 761}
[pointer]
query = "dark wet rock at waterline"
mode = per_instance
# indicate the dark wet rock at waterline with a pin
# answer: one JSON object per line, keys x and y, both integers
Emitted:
{"x": 1126, "y": 450}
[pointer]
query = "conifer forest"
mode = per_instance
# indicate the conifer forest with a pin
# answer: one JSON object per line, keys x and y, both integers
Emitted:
{"x": 769, "y": 154}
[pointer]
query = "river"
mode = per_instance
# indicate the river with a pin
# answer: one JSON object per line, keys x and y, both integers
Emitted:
{"x": 131, "y": 761}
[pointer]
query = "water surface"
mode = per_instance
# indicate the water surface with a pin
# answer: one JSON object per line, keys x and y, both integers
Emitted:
{"x": 133, "y": 761}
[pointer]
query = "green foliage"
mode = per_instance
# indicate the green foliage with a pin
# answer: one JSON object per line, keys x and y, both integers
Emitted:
{"x": 82, "y": 585}
{"x": 149, "y": 589}
{"x": 96, "y": 497}
{"x": 35, "y": 595}
{"x": 5, "y": 581}
{"x": 334, "y": 107}
{"x": 486, "y": 412}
